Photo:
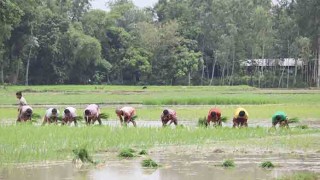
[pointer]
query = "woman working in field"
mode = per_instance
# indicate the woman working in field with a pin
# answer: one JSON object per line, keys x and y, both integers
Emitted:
{"x": 92, "y": 113}
{"x": 51, "y": 115}
{"x": 169, "y": 115}
{"x": 281, "y": 118}
{"x": 25, "y": 113}
{"x": 69, "y": 116}
{"x": 21, "y": 102}
{"x": 128, "y": 114}
{"x": 240, "y": 118}
{"x": 214, "y": 116}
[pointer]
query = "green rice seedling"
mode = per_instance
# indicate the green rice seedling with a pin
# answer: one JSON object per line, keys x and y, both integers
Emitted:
{"x": 301, "y": 176}
{"x": 143, "y": 152}
{"x": 228, "y": 163}
{"x": 35, "y": 116}
{"x": 202, "y": 122}
{"x": 127, "y": 153}
{"x": 134, "y": 117}
{"x": 224, "y": 119}
{"x": 79, "y": 118}
{"x": 267, "y": 165}
{"x": 104, "y": 116}
{"x": 149, "y": 163}
{"x": 83, "y": 155}
{"x": 293, "y": 120}
{"x": 302, "y": 126}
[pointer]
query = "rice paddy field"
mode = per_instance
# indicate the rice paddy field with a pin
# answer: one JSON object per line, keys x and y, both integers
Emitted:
{"x": 30, "y": 147}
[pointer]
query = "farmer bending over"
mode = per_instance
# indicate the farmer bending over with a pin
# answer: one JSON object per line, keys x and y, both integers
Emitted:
{"x": 281, "y": 118}
{"x": 25, "y": 113}
{"x": 92, "y": 113}
{"x": 69, "y": 115}
{"x": 169, "y": 115}
{"x": 240, "y": 118}
{"x": 21, "y": 102}
{"x": 127, "y": 113}
{"x": 214, "y": 116}
{"x": 51, "y": 115}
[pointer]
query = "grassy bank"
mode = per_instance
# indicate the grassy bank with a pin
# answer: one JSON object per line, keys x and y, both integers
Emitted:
{"x": 25, "y": 143}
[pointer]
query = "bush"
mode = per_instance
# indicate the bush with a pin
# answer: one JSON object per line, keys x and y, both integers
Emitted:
{"x": 149, "y": 163}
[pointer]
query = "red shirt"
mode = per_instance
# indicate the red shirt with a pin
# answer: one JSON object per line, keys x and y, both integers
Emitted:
{"x": 217, "y": 111}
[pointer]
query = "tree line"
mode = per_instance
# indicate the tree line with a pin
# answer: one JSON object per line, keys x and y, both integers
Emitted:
{"x": 177, "y": 42}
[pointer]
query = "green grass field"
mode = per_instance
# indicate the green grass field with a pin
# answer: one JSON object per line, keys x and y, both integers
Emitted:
{"x": 26, "y": 143}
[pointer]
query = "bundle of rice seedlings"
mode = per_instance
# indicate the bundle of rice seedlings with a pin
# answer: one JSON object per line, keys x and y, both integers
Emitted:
{"x": 149, "y": 163}
{"x": 202, "y": 122}
{"x": 228, "y": 163}
{"x": 224, "y": 119}
{"x": 127, "y": 153}
{"x": 267, "y": 164}
{"x": 143, "y": 152}
{"x": 104, "y": 116}
{"x": 35, "y": 116}
{"x": 134, "y": 117}
{"x": 293, "y": 120}
{"x": 83, "y": 155}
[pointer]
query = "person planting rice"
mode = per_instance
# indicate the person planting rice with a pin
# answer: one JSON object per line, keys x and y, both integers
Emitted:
{"x": 25, "y": 113}
{"x": 169, "y": 115}
{"x": 21, "y": 102}
{"x": 214, "y": 116}
{"x": 91, "y": 114}
{"x": 281, "y": 118}
{"x": 51, "y": 115}
{"x": 128, "y": 114}
{"x": 240, "y": 118}
{"x": 69, "y": 115}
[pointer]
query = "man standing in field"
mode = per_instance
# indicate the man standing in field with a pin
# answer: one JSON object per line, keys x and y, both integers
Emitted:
{"x": 51, "y": 113}
{"x": 169, "y": 115}
{"x": 128, "y": 114}
{"x": 240, "y": 118}
{"x": 214, "y": 116}
{"x": 281, "y": 118}
{"x": 25, "y": 113}
{"x": 21, "y": 102}
{"x": 69, "y": 115}
{"x": 92, "y": 113}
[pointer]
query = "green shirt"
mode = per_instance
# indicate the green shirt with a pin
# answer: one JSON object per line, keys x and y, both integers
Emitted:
{"x": 281, "y": 114}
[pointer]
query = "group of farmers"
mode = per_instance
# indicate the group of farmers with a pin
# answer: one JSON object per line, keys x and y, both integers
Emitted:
{"x": 127, "y": 114}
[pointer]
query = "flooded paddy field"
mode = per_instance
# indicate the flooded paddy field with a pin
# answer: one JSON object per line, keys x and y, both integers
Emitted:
{"x": 178, "y": 166}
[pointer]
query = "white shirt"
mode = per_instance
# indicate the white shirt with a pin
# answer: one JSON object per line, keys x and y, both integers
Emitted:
{"x": 49, "y": 113}
{"x": 72, "y": 112}
{"x": 22, "y": 102}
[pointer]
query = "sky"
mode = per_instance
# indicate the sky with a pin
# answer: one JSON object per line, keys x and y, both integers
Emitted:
{"x": 100, "y": 4}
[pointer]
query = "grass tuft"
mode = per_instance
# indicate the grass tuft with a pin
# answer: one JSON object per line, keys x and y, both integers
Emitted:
{"x": 127, "y": 153}
{"x": 301, "y": 176}
{"x": 149, "y": 163}
{"x": 228, "y": 163}
{"x": 143, "y": 152}
{"x": 267, "y": 164}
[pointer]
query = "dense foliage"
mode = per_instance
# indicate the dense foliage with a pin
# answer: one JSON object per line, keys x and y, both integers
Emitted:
{"x": 184, "y": 42}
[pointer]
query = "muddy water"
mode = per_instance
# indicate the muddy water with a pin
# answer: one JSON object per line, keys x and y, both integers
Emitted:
{"x": 174, "y": 166}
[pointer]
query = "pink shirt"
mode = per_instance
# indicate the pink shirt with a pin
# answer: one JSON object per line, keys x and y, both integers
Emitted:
{"x": 94, "y": 109}
{"x": 172, "y": 114}
{"x": 24, "y": 108}
{"x": 128, "y": 111}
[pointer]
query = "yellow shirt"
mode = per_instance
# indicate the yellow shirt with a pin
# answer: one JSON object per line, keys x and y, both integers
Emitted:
{"x": 236, "y": 113}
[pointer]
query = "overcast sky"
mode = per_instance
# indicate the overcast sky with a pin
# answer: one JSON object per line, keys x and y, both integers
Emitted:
{"x": 100, "y": 4}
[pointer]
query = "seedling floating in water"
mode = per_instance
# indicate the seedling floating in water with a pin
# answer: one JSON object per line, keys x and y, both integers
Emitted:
{"x": 127, "y": 153}
{"x": 267, "y": 164}
{"x": 149, "y": 163}
{"x": 228, "y": 163}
